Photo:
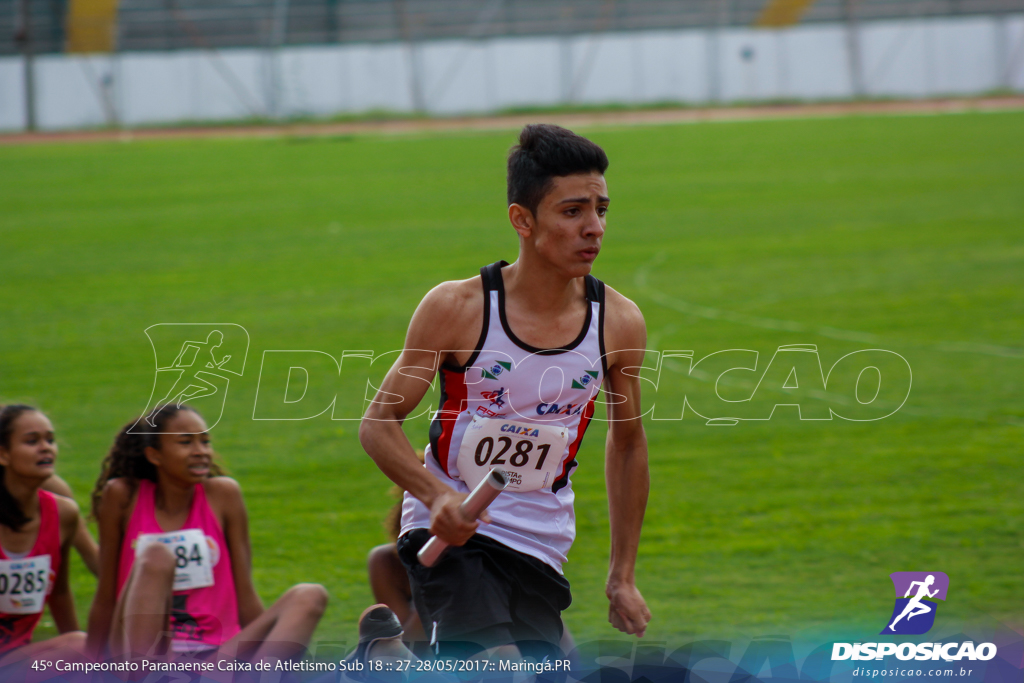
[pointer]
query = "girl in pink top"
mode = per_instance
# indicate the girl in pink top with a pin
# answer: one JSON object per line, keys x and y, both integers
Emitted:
{"x": 175, "y": 558}
{"x": 36, "y": 530}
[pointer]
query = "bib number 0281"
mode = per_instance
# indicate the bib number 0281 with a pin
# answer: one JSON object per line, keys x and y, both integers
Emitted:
{"x": 530, "y": 454}
{"x": 520, "y": 457}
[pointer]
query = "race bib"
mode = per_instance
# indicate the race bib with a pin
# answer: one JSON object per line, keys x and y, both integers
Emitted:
{"x": 24, "y": 584}
{"x": 529, "y": 454}
{"x": 193, "y": 565}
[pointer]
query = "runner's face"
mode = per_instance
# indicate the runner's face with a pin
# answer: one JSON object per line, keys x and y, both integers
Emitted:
{"x": 185, "y": 452}
{"x": 570, "y": 222}
{"x": 32, "y": 452}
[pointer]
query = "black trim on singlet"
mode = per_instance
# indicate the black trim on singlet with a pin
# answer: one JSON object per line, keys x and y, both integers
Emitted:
{"x": 599, "y": 298}
{"x": 591, "y": 289}
{"x": 563, "y": 481}
{"x": 436, "y": 426}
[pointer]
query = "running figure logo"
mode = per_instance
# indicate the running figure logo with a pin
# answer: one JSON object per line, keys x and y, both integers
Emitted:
{"x": 194, "y": 364}
{"x": 916, "y": 615}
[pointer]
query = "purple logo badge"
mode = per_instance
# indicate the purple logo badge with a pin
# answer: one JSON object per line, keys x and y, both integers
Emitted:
{"x": 914, "y": 612}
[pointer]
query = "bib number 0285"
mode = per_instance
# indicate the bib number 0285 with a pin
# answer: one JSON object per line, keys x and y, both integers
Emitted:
{"x": 24, "y": 584}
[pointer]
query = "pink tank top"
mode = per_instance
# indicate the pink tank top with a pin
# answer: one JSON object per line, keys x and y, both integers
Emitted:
{"x": 16, "y": 629}
{"x": 201, "y": 618}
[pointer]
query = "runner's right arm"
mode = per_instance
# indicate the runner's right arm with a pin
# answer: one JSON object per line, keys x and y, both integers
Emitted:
{"x": 444, "y": 312}
{"x": 113, "y": 506}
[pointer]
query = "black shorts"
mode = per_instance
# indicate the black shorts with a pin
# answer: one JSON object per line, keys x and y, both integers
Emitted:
{"x": 485, "y": 594}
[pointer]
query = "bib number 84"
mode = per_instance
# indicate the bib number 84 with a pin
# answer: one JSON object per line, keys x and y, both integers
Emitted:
{"x": 182, "y": 556}
{"x": 519, "y": 457}
{"x": 192, "y": 556}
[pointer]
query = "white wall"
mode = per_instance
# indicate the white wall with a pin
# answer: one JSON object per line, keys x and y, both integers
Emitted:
{"x": 905, "y": 58}
{"x": 12, "y": 94}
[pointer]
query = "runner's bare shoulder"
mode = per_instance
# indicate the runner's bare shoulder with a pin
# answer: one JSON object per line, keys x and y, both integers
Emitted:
{"x": 57, "y": 485}
{"x": 222, "y": 485}
{"x": 624, "y": 326}
{"x": 117, "y": 498}
{"x": 224, "y": 495}
{"x": 67, "y": 510}
{"x": 449, "y": 317}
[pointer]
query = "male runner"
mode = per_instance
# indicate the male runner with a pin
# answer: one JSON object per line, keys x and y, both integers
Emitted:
{"x": 522, "y": 351}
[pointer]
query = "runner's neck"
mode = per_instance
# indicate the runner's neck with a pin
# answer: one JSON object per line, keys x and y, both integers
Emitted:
{"x": 24, "y": 492}
{"x": 27, "y": 498}
{"x": 545, "y": 291}
{"x": 173, "y": 501}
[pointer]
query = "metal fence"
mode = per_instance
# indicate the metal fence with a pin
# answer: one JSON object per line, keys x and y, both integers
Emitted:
{"x": 181, "y": 24}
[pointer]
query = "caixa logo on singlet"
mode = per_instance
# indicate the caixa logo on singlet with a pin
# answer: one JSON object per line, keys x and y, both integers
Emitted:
{"x": 194, "y": 364}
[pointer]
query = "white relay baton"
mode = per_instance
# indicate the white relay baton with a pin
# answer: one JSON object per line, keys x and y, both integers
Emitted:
{"x": 474, "y": 505}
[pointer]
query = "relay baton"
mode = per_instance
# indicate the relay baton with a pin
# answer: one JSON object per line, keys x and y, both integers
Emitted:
{"x": 474, "y": 505}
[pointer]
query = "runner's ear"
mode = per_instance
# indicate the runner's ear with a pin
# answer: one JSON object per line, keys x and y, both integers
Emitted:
{"x": 521, "y": 218}
{"x": 152, "y": 455}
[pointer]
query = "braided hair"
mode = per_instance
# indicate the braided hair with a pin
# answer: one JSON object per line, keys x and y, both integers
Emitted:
{"x": 127, "y": 457}
{"x": 11, "y": 514}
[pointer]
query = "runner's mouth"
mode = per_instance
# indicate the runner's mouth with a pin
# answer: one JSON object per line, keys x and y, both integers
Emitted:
{"x": 201, "y": 468}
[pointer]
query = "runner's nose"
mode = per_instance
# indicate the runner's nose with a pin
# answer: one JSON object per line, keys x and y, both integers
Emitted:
{"x": 594, "y": 226}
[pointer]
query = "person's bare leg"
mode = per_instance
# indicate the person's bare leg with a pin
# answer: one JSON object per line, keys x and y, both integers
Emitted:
{"x": 390, "y": 585}
{"x": 568, "y": 645}
{"x": 283, "y": 630}
{"x": 142, "y": 613}
{"x": 70, "y": 645}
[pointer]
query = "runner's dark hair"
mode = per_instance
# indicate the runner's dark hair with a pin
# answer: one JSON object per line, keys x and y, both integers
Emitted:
{"x": 11, "y": 514}
{"x": 127, "y": 457}
{"x": 544, "y": 152}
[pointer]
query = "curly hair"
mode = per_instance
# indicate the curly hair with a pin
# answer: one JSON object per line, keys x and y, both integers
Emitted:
{"x": 127, "y": 457}
{"x": 11, "y": 514}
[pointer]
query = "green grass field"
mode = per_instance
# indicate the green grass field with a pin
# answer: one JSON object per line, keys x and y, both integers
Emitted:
{"x": 908, "y": 231}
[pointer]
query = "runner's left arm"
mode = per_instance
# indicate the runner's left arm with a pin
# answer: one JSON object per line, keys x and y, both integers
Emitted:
{"x": 84, "y": 543}
{"x": 236, "y": 534}
{"x": 626, "y": 472}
